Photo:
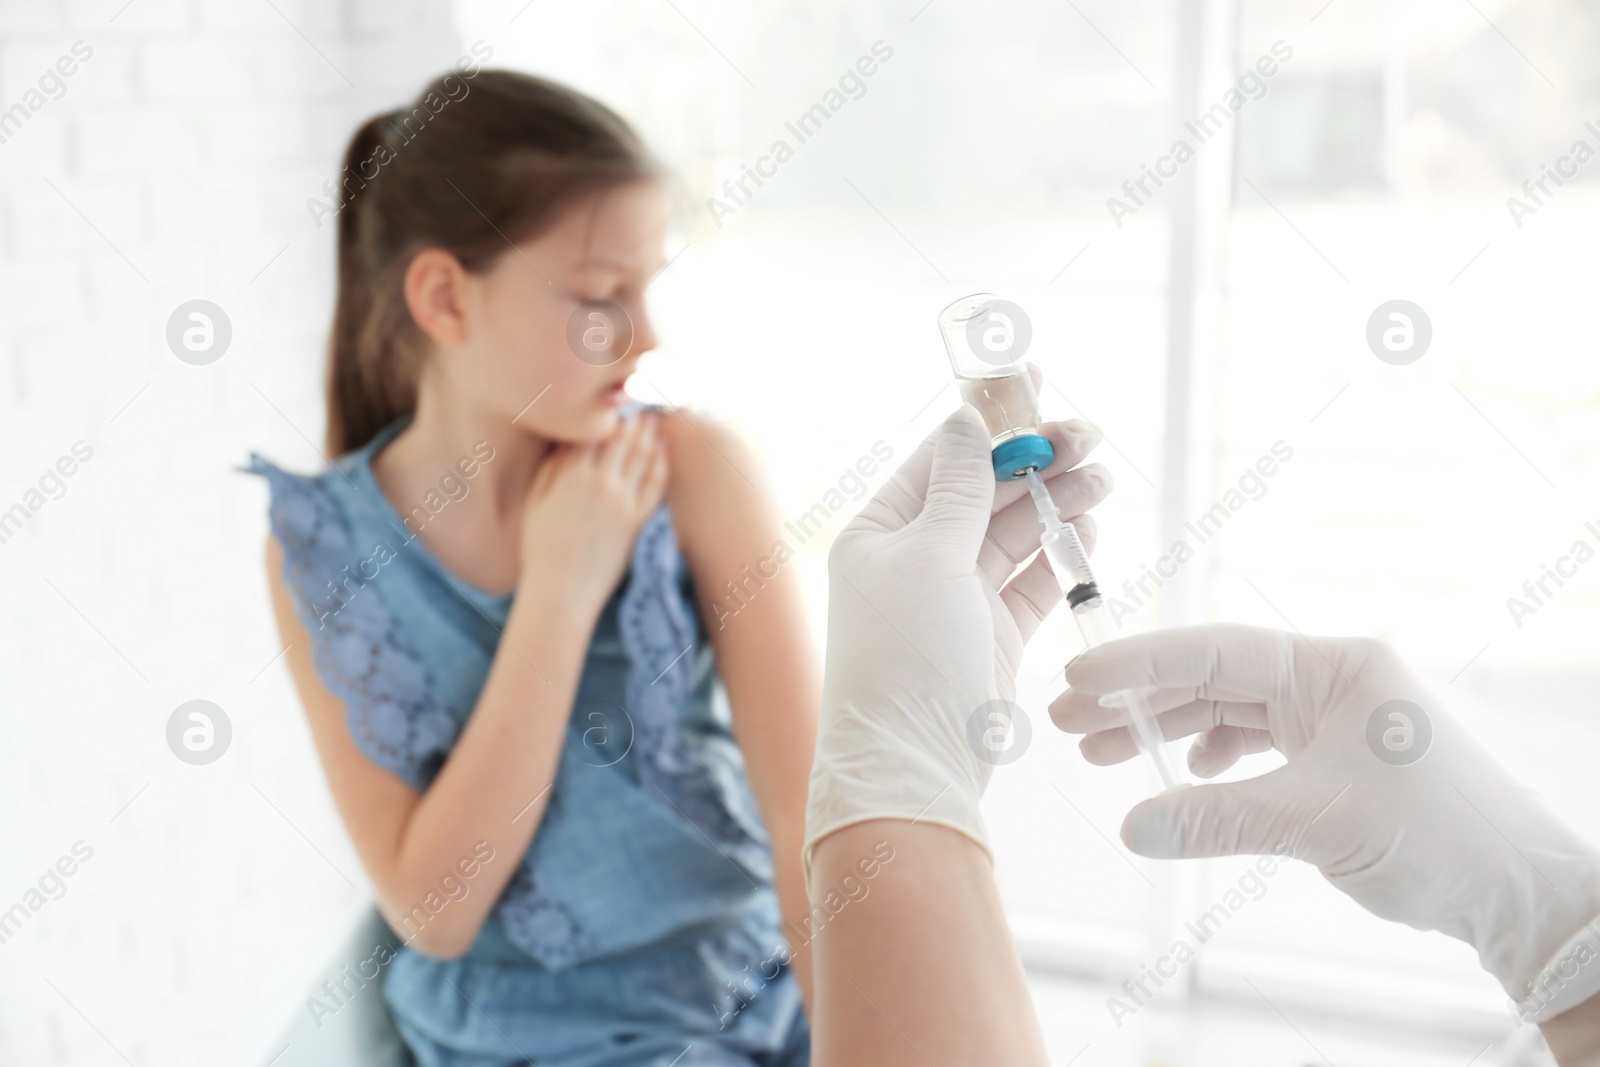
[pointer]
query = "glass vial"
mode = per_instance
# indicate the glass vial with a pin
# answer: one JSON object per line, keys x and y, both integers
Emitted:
{"x": 986, "y": 338}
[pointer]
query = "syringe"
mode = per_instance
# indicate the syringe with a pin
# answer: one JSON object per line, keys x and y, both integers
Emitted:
{"x": 985, "y": 338}
{"x": 1071, "y": 566}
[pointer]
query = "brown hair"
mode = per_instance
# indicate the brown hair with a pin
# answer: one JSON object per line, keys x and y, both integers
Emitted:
{"x": 477, "y": 162}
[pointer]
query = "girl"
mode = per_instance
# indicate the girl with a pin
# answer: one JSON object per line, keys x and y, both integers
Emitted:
{"x": 501, "y": 603}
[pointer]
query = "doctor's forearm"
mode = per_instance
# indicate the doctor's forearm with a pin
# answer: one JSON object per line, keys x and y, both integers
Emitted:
{"x": 915, "y": 963}
{"x": 1574, "y": 1036}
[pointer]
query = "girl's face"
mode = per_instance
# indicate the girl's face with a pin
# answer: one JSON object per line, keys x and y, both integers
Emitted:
{"x": 558, "y": 323}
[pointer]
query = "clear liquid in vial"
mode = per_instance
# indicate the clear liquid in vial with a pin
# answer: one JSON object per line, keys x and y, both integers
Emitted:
{"x": 1009, "y": 406}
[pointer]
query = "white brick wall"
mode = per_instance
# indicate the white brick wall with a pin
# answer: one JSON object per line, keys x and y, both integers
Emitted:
{"x": 189, "y": 141}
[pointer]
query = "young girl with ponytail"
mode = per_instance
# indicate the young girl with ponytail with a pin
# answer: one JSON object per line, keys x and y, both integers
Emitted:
{"x": 520, "y": 687}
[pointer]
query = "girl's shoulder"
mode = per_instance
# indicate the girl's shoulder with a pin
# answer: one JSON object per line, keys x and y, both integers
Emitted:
{"x": 308, "y": 513}
{"x": 312, "y": 513}
{"x": 721, "y": 512}
{"x": 712, "y": 465}
{"x": 319, "y": 521}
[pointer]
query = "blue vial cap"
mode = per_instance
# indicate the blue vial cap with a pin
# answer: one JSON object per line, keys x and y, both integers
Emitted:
{"x": 1016, "y": 457}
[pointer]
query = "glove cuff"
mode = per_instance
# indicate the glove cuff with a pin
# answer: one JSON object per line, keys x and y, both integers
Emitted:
{"x": 873, "y": 763}
{"x": 959, "y": 816}
{"x": 1571, "y": 977}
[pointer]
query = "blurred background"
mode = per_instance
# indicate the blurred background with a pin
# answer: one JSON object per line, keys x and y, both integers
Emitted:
{"x": 1218, "y": 317}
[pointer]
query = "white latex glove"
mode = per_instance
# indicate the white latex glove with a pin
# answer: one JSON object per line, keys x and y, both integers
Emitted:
{"x": 924, "y": 628}
{"x": 1424, "y": 830}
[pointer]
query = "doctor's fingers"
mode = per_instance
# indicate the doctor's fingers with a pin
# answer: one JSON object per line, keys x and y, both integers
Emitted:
{"x": 1080, "y": 712}
{"x": 1196, "y": 717}
{"x": 1032, "y": 595}
{"x": 1072, "y": 440}
{"x": 1014, "y": 531}
{"x": 1213, "y": 751}
{"x": 902, "y": 495}
{"x": 1234, "y": 658}
{"x": 1222, "y": 746}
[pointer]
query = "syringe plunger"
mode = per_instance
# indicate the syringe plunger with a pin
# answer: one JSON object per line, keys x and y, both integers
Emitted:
{"x": 1070, "y": 563}
{"x": 1061, "y": 544}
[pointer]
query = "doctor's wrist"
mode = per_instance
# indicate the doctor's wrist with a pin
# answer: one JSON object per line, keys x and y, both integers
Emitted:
{"x": 1574, "y": 1035}
{"x": 1568, "y": 980}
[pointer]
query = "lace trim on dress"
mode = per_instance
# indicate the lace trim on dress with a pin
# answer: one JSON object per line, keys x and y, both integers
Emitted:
{"x": 395, "y": 713}
{"x": 661, "y": 641}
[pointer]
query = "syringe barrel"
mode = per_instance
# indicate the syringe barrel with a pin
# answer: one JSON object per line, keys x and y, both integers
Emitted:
{"x": 1094, "y": 622}
{"x": 1070, "y": 563}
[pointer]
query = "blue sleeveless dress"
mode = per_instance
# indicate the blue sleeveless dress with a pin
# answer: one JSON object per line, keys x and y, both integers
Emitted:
{"x": 641, "y": 926}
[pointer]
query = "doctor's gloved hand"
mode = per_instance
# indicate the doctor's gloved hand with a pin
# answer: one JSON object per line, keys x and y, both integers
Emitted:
{"x": 926, "y": 626}
{"x": 1382, "y": 791}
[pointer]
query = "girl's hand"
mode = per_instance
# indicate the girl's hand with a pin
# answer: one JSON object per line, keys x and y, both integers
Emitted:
{"x": 586, "y": 505}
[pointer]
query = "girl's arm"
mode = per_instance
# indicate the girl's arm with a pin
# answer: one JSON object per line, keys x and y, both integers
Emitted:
{"x": 729, "y": 531}
{"x": 584, "y": 509}
{"x": 506, "y": 757}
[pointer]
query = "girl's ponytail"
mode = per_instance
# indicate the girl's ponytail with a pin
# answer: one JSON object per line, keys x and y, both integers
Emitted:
{"x": 363, "y": 393}
{"x": 520, "y": 147}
